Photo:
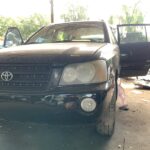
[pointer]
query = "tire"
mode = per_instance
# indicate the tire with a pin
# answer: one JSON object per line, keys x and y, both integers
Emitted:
{"x": 106, "y": 122}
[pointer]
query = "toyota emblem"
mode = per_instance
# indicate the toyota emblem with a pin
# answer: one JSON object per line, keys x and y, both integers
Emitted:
{"x": 6, "y": 76}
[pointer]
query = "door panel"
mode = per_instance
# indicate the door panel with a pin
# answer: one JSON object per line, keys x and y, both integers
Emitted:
{"x": 134, "y": 44}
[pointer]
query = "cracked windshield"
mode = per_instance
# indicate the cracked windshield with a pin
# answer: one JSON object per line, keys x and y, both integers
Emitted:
{"x": 74, "y": 75}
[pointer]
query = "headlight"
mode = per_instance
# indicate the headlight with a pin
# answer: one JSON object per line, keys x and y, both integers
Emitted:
{"x": 69, "y": 75}
{"x": 84, "y": 73}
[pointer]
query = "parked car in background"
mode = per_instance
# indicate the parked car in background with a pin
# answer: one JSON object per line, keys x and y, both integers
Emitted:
{"x": 73, "y": 69}
{"x": 143, "y": 81}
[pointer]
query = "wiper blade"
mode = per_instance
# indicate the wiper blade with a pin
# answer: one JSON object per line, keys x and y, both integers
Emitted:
{"x": 31, "y": 43}
{"x": 61, "y": 41}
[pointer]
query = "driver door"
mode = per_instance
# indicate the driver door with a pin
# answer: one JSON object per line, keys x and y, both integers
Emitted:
{"x": 12, "y": 37}
{"x": 134, "y": 44}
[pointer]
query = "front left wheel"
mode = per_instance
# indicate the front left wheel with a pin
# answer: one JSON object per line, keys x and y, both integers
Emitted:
{"x": 106, "y": 122}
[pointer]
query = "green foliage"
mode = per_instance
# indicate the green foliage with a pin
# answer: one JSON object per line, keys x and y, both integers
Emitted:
{"x": 75, "y": 13}
{"x": 5, "y": 22}
{"x": 111, "y": 20}
{"x": 27, "y": 26}
{"x": 130, "y": 15}
{"x": 31, "y": 24}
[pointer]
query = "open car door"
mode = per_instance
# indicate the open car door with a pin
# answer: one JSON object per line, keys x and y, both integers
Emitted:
{"x": 12, "y": 37}
{"x": 134, "y": 44}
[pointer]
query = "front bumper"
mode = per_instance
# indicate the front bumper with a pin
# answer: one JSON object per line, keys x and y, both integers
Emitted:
{"x": 63, "y": 105}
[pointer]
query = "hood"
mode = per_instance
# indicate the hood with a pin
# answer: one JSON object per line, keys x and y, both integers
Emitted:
{"x": 52, "y": 52}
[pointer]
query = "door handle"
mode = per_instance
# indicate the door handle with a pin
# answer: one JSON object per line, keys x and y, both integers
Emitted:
{"x": 124, "y": 55}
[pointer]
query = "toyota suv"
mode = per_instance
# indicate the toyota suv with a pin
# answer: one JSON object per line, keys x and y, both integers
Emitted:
{"x": 72, "y": 68}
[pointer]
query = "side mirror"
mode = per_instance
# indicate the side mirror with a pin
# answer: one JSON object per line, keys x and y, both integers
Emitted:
{"x": 13, "y": 37}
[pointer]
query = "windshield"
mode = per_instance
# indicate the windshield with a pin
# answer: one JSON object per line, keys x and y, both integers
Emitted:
{"x": 73, "y": 32}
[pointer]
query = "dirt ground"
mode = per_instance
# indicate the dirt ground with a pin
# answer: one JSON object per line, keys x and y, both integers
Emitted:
{"x": 132, "y": 131}
{"x": 133, "y": 126}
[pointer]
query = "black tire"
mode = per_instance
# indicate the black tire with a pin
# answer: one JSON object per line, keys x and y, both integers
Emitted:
{"x": 106, "y": 122}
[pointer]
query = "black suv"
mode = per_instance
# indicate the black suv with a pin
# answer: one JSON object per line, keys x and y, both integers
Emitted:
{"x": 73, "y": 68}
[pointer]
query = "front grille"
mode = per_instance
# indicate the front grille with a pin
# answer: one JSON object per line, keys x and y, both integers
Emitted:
{"x": 26, "y": 77}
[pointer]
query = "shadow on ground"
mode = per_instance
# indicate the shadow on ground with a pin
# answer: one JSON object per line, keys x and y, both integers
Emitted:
{"x": 19, "y": 133}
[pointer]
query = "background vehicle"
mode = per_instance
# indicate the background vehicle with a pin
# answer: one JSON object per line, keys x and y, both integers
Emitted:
{"x": 143, "y": 81}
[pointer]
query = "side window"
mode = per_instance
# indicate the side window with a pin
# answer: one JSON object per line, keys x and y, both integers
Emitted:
{"x": 13, "y": 37}
{"x": 132, "y": 34}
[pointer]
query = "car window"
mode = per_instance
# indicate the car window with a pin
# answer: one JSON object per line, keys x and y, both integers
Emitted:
{"x": 132, "y": 34}
{"x": 69, "y": 33}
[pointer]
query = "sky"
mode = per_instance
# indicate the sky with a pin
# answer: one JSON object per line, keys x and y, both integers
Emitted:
{"x": 97, "y": 9}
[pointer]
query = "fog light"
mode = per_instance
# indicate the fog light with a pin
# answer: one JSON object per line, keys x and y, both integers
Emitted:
{"x": 88, "y": 104}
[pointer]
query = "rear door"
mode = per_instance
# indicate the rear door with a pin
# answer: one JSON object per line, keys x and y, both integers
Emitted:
{"x": 134, "y": 44}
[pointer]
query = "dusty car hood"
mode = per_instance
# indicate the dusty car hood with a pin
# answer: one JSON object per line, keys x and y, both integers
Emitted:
{"x": 52, "y": 52}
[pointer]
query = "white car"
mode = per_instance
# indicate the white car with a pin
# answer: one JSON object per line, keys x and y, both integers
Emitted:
{"x": 143, "y": 81}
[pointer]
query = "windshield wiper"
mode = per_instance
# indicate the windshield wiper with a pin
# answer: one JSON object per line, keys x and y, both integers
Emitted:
{"x": 31, "y": 43}
{"x": 61, "y": 41}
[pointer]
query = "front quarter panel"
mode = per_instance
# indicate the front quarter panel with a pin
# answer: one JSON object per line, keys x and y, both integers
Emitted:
{"x": 110, "y": 53}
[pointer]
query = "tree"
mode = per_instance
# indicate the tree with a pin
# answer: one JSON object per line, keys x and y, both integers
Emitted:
{"x": 5, "y": 22}
{"x": 130, "y": 15}
{"x": 26, "y": 25}
{"x": 75, "y": 13}
{"x": 31, "y": 24}
{"x": 111, "y": 20}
